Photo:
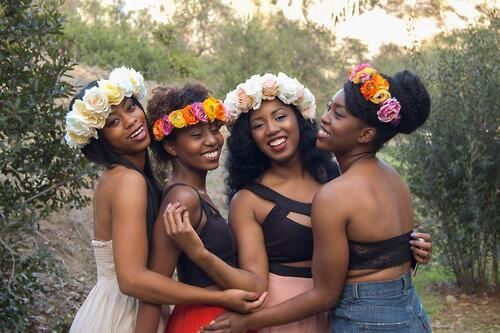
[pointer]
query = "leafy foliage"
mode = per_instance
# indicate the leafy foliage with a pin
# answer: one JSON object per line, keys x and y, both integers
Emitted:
{"x": 452, "y": 164}
{"x": 39, "y": 174}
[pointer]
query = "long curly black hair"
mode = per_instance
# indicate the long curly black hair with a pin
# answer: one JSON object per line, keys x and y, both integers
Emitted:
{"x": 245, "y": 162}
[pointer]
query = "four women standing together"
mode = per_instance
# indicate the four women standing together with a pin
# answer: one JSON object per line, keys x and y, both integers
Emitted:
{"x": 276, "y": 168}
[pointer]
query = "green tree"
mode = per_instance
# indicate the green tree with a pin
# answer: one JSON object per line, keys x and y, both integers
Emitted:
{"x": 452, "y": 164}
{"x": 39, "y": 174}
{"x": 273, "y": 44}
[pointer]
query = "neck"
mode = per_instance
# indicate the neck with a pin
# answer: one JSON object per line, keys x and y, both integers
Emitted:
{"x": 292, "y": 169}
{"x": 186, "y": 175}
{"x": 138, "y": 160}
{"x": 346, "y": 161}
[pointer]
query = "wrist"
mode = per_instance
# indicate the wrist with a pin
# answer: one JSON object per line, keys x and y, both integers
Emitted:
{"x": 198, "y": 255}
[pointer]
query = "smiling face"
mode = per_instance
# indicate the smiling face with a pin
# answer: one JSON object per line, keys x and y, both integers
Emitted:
{"x": 339, "y": 130}
{"x": 126, "y": 130}
{"x": 197, "y": 147}
{"x": 275, "y": 130}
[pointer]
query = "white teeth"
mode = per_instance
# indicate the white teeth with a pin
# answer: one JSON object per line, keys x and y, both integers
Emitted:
{"x": 322, "y": 132}
{"x": 212, "y": 154}
{"x": 137, "y": 132}
{"x": 277, "y": 142}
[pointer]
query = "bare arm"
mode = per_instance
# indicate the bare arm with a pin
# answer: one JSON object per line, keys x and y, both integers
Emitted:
{"x": 179, "y": 226}
{"x": 329, "y": 272}
{"x": 130, "y": 251}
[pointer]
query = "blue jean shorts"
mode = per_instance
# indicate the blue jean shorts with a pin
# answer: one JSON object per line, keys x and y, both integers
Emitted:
{"x": 388, "y": 306}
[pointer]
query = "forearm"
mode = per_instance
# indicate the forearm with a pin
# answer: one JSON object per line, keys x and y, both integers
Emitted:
{"x": 156, "y": 288}
{"x": 227, "y": 276}
{"x": 302, "y": 306}
{"x": 148, "y": 318}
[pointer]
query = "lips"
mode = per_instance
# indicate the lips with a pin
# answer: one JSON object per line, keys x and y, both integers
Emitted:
{"x": 278, "y": 144}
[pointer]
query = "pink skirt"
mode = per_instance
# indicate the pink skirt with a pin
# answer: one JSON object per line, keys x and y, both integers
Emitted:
{"x": 282, "y": 288}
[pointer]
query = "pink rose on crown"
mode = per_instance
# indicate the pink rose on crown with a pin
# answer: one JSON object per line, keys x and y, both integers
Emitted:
{"x": 166, "y": 125}
{"x": 355, "y": 70}
{"x": 243, "y": 101}
{"x": 199, "y": 112}
{"x": 389, "y": 111}
{"x": 270, "y": 87}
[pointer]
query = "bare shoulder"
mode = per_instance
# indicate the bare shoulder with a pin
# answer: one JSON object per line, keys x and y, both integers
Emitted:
{"x": 186, "y": 196}
{"x": 122, "y": 180}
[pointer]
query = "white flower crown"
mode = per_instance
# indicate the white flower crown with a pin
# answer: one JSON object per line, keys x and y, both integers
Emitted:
{"x": 90, "y": 113}
{"x": 249, "y": 95}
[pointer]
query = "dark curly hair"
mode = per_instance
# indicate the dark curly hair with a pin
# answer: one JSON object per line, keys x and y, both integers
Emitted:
{"x": 167, "y": 99}
{"x": 245, "y": 162}
{"x": 411, "y": 94}
{"x": 99, "y": 152}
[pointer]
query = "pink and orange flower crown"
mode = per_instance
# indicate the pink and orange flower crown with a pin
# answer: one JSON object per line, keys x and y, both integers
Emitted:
{"x": 376, "y": 90}
{"x": 209, "y": 110}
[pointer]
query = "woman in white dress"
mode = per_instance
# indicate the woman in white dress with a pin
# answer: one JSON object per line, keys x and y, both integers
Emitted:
{"x": 107, "y": 122}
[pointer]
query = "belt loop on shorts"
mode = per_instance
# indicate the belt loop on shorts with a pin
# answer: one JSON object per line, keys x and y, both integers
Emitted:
{"x": 405, "y": 284}
{"x": 355, "y": 294}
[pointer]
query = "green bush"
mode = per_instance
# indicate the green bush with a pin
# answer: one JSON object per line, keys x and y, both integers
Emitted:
{"x": 39, "y": 174}
{"x": 452, "y": 164}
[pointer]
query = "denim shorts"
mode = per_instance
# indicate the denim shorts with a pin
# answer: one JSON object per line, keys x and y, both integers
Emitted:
{"x": 388, "y": 306}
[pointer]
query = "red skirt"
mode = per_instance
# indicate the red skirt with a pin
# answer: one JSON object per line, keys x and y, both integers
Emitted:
{"x": 189, "y": 318}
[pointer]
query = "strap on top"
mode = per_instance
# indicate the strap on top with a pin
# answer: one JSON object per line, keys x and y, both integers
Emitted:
{"x": 271, "y": 195}
{"x": 199, "y": 196}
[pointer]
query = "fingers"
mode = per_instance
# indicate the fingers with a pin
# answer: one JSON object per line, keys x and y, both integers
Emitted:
{"x": 172, "y": 218}
{"x": 424, "y": 236}
{"x": 260, "y": 303}
{"x": 219, "y": 324}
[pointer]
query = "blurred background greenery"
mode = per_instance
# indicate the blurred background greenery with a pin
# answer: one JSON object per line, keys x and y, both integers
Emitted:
{"x": 451, "y": 164}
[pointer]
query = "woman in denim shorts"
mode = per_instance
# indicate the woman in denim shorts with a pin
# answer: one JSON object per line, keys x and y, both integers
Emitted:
{"x": 362, "y": 221}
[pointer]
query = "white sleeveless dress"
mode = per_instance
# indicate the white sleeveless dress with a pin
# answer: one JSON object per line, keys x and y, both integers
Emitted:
{"x": 106, "y": 309}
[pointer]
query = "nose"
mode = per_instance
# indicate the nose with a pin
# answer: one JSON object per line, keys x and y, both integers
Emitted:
{"x": 271, "y": 128}
{"x": 324, "y": 118}
{"x": 129, "y": 119}
{"x": 211, "y": 139}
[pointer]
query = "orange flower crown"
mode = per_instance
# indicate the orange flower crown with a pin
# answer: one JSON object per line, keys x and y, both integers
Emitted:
{"x": 375, "y": 89}
{"x": 209, "y": 110}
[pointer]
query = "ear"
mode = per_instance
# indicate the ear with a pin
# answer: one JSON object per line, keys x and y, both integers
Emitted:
{"x": 366, "y": 135}
{"x": 170, "y": 147}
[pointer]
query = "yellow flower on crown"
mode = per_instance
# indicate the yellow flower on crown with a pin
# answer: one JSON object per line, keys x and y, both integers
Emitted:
{"x": 363, "y": 75}
{"x": 177, "y": 119}
{"x": 211, "y": 105}
{"x": 115, "y": 93}
{"x": 380, "y": 96}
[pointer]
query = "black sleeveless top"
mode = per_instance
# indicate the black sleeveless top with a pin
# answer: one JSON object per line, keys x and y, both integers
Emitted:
{"x": 391, "y": 252}
{"x": 217, "y": 238}
{"x": 286, "y": 241}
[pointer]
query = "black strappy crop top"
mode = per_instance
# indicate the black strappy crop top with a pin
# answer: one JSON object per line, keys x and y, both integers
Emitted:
{"x": 391, "y": 252}
{"x": 217, "y": 238}
{"x": 286, "y": 241}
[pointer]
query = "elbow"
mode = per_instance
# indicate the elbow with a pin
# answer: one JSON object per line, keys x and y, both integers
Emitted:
{"x": 325, "y": 300}
{"x": 129, "y": 285}
{"x": 260, "y": 286}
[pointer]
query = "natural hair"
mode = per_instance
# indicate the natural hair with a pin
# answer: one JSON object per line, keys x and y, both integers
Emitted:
{"x": 167, "y": 99}
{"x": 411, "y": 94}
{"x": 246, "y": 163}
{"x": 99, "y": 152}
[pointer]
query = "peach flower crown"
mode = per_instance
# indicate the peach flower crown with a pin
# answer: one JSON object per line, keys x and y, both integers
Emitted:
{"x": 89, "y": 113}
{"x": 250, "y": 94}
{"x": 209, "y": 110}
{"x": 375, "y": 89}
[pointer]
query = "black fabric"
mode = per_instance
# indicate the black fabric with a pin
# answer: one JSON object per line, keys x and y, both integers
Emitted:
{"x": 217, "y": 238}
{"x": 286, "y": 241}
{"x": 382, "y": 254}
